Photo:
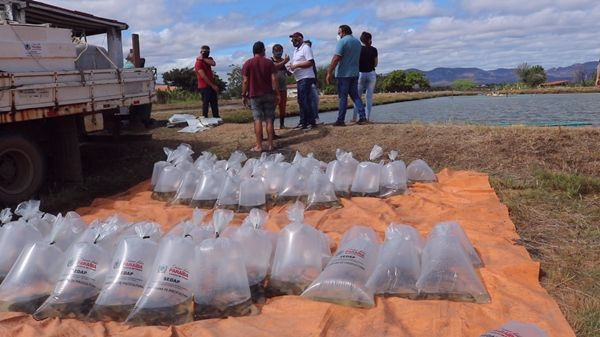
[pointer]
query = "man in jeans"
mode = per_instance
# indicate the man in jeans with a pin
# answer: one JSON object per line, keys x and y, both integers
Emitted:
{"x": 302, "y": 67}
{"x": 206, "y": 82}
{"x": 345, "y": 61}
{"x": 259, "y": 83}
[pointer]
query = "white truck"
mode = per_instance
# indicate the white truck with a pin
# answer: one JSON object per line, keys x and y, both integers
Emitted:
{"x": 54, "y": 92}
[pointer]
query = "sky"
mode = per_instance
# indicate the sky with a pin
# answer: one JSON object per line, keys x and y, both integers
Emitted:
{"x": 422, "y": 34}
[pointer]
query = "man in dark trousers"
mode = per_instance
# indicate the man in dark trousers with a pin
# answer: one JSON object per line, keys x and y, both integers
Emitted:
{"x": 206, "y": 82}
{"x": 259, "y": 84}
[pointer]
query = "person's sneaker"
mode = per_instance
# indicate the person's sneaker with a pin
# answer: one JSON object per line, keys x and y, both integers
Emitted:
{"x": 318, "y": 121}
{"x": 339, "y": 123}
{"x": 299, "y": 126}
{"x": 362, "y": 121}
{"x": 308, "y": 126}
{"x": 303, "y": 126}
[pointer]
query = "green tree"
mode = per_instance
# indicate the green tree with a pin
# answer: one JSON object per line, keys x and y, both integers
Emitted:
{"x": 184, "y": 78}
{"x": 416, "y": 80}
{"x": 379, "y": 83}
{"x": 234, "y": 81}
{"x": 533, "y": 76}
{"x": 220, "y": 83}
{"x": 463, "y": 84}
{"x": 327, "y": 89}
{"x": 394, "y": 81}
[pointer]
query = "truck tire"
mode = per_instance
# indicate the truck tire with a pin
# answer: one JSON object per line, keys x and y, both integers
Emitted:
{"x": 22, "y": 169}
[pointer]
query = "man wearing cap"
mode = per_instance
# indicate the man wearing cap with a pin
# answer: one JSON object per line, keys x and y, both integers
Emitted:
{"x": 259, "y": 83}
{"x": 302, "y": 67}
{"x": 345, "y": 61}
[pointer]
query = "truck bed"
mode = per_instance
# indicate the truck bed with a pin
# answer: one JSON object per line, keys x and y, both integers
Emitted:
{"x": 36, "y": 95}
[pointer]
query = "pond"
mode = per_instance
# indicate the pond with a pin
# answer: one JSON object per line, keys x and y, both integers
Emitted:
{"x": 542, "y": 109}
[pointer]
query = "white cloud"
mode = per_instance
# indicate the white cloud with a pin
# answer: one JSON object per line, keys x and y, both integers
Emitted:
{"x": 394, "y": 9}
{"x": 420, "y": 34}
{"x": 138, "y": 14}
{"x": 520, "y": 6}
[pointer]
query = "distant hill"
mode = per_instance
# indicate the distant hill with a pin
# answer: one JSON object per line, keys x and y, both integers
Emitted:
{"x": 445, "y": 76}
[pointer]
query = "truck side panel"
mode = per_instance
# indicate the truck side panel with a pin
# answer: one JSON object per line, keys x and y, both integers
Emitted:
{"x": 28, "y": 96}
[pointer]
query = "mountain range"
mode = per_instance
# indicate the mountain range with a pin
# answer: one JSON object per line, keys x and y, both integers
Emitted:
{"x": 445, "y": 76}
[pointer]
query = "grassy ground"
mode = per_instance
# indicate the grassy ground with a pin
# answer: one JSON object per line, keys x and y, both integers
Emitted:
{"x": 548, "y": 177}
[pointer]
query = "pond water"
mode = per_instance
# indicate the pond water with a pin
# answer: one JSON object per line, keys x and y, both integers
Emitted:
{"x": 546, "y": 109}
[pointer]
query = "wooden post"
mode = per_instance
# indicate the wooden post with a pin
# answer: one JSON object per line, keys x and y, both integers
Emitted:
{"x": 135, "y": 39}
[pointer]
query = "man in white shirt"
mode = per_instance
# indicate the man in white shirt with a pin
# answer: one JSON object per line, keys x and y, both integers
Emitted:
{"x": 302, "y": 66}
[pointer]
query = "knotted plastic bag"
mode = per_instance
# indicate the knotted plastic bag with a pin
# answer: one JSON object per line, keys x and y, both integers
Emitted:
{"x": 157, "y": 170}
{"x": 252, "y": 195}
{"x": 343, "y": 281}
{"x": 229, "y": 196}
{"x": 321, "y": 192}
{"x": 393, "y": 177}
{"x": 167, "y": 298}
{"x": 272, "y": 173}
{"x": 399, "y": 263}
{"x": 248, "y": 168}
{"x": 30, "y": 212}
{"x": 194, "y": 228}
{"x": 341, "y": 172}
{"x": 235, "y": 161}
{"x": 300, "y": 254}
{"x": 208, "y": 188}
{"x": 34, "y": 274}
{"x": 448, "y": 273}
{"x": 5, "y": 217}
{"x": 83, "y": 272}
{"x": 222, "y": 288}
{"x": 294, "y": 185}
{"x": 453, "y": 228}
{"x": 206, "y": 161}
{"x": 131, "y": 265}
{"x": 168, "y": 182}
{"x": 368, "y": 176}
{"x": 257, "y": 248}
{"x": 15, "y": 235}
{"x": 419, "y": 171}
{"x": 187, "y": 187}
{"x": 183, "y": 153}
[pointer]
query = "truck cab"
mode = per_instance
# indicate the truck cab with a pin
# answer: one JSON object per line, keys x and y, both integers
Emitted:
{"x": 56, "y": 89}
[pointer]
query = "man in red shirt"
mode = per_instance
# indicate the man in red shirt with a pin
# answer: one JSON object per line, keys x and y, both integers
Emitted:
{"x": 259, "y": 83}
{"x": 206, "y": 82}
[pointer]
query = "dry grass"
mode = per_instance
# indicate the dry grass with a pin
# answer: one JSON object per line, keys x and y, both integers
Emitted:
{"x": 548, "y": 177}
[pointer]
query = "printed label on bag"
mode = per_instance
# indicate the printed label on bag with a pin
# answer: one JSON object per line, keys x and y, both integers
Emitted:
{"x": 349, "y": 256}
{"x": 127, "y": 273}
{"x": 501, "y": 333}
{"x": 174, "y": 280}
{"x": 81, "y": 270}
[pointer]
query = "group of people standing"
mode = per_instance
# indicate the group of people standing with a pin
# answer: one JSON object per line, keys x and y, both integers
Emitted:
{"x": 264, "y": 82}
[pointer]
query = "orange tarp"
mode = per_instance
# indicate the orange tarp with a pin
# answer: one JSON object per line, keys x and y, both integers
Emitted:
{"x": 510, "y": 275}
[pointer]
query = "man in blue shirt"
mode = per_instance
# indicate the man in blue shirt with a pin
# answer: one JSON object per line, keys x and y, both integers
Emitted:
{"x": 345, "y": 61}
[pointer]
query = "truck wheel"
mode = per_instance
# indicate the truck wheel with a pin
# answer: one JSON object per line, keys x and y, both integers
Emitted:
{"x": 22, "y": 169}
